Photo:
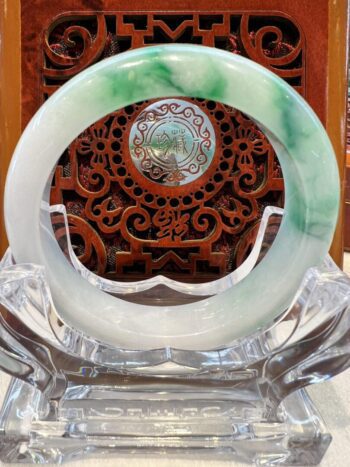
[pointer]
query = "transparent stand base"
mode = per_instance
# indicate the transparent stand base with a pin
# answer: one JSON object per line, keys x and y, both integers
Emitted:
{"x": 101, "y": 420}
{"x": 73, "y": 397}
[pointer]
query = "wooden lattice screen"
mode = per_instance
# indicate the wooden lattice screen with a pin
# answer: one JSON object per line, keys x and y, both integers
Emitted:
{"x": 129, "y": 224}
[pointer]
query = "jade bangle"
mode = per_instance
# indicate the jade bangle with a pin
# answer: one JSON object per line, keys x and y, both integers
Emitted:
{"x": 311, "y": 194}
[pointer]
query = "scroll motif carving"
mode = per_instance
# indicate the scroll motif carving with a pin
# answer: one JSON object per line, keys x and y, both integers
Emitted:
{"x": 70, "y": 47}
{"x": 267, "y": 46}
{"x": 132, "y": 214}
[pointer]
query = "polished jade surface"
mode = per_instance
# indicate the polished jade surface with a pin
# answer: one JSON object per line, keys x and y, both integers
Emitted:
{"x": 304, "y": 151}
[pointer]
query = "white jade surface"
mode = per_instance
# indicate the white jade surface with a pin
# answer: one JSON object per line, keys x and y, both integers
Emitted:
{"x": 304, "y": 151}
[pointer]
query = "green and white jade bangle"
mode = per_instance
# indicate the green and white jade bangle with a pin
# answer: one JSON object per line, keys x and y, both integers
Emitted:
{"x": 311, "y": 202}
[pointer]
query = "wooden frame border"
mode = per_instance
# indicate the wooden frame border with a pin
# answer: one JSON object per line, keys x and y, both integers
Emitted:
{"x": 337, "y": 92}
{"x": 10, "y": 96}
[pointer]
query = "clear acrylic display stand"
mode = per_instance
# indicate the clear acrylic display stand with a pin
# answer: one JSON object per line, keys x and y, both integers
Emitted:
{"x": 71, "y": 396}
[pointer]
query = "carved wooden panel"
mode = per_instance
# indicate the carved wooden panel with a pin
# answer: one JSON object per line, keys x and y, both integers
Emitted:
{"x": 323, "y": 26}
{"x": 126, "y": 223}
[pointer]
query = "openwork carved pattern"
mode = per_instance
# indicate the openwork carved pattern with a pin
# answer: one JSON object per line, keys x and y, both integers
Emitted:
{"x": 130, "y": 217}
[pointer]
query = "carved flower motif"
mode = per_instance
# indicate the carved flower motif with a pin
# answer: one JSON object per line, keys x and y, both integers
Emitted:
{"x": 95, "y": 143}
{"x": 248, "y": 142}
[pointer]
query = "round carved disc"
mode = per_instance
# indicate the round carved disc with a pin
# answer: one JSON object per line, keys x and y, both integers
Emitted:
{"x": 172, "y": 142}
